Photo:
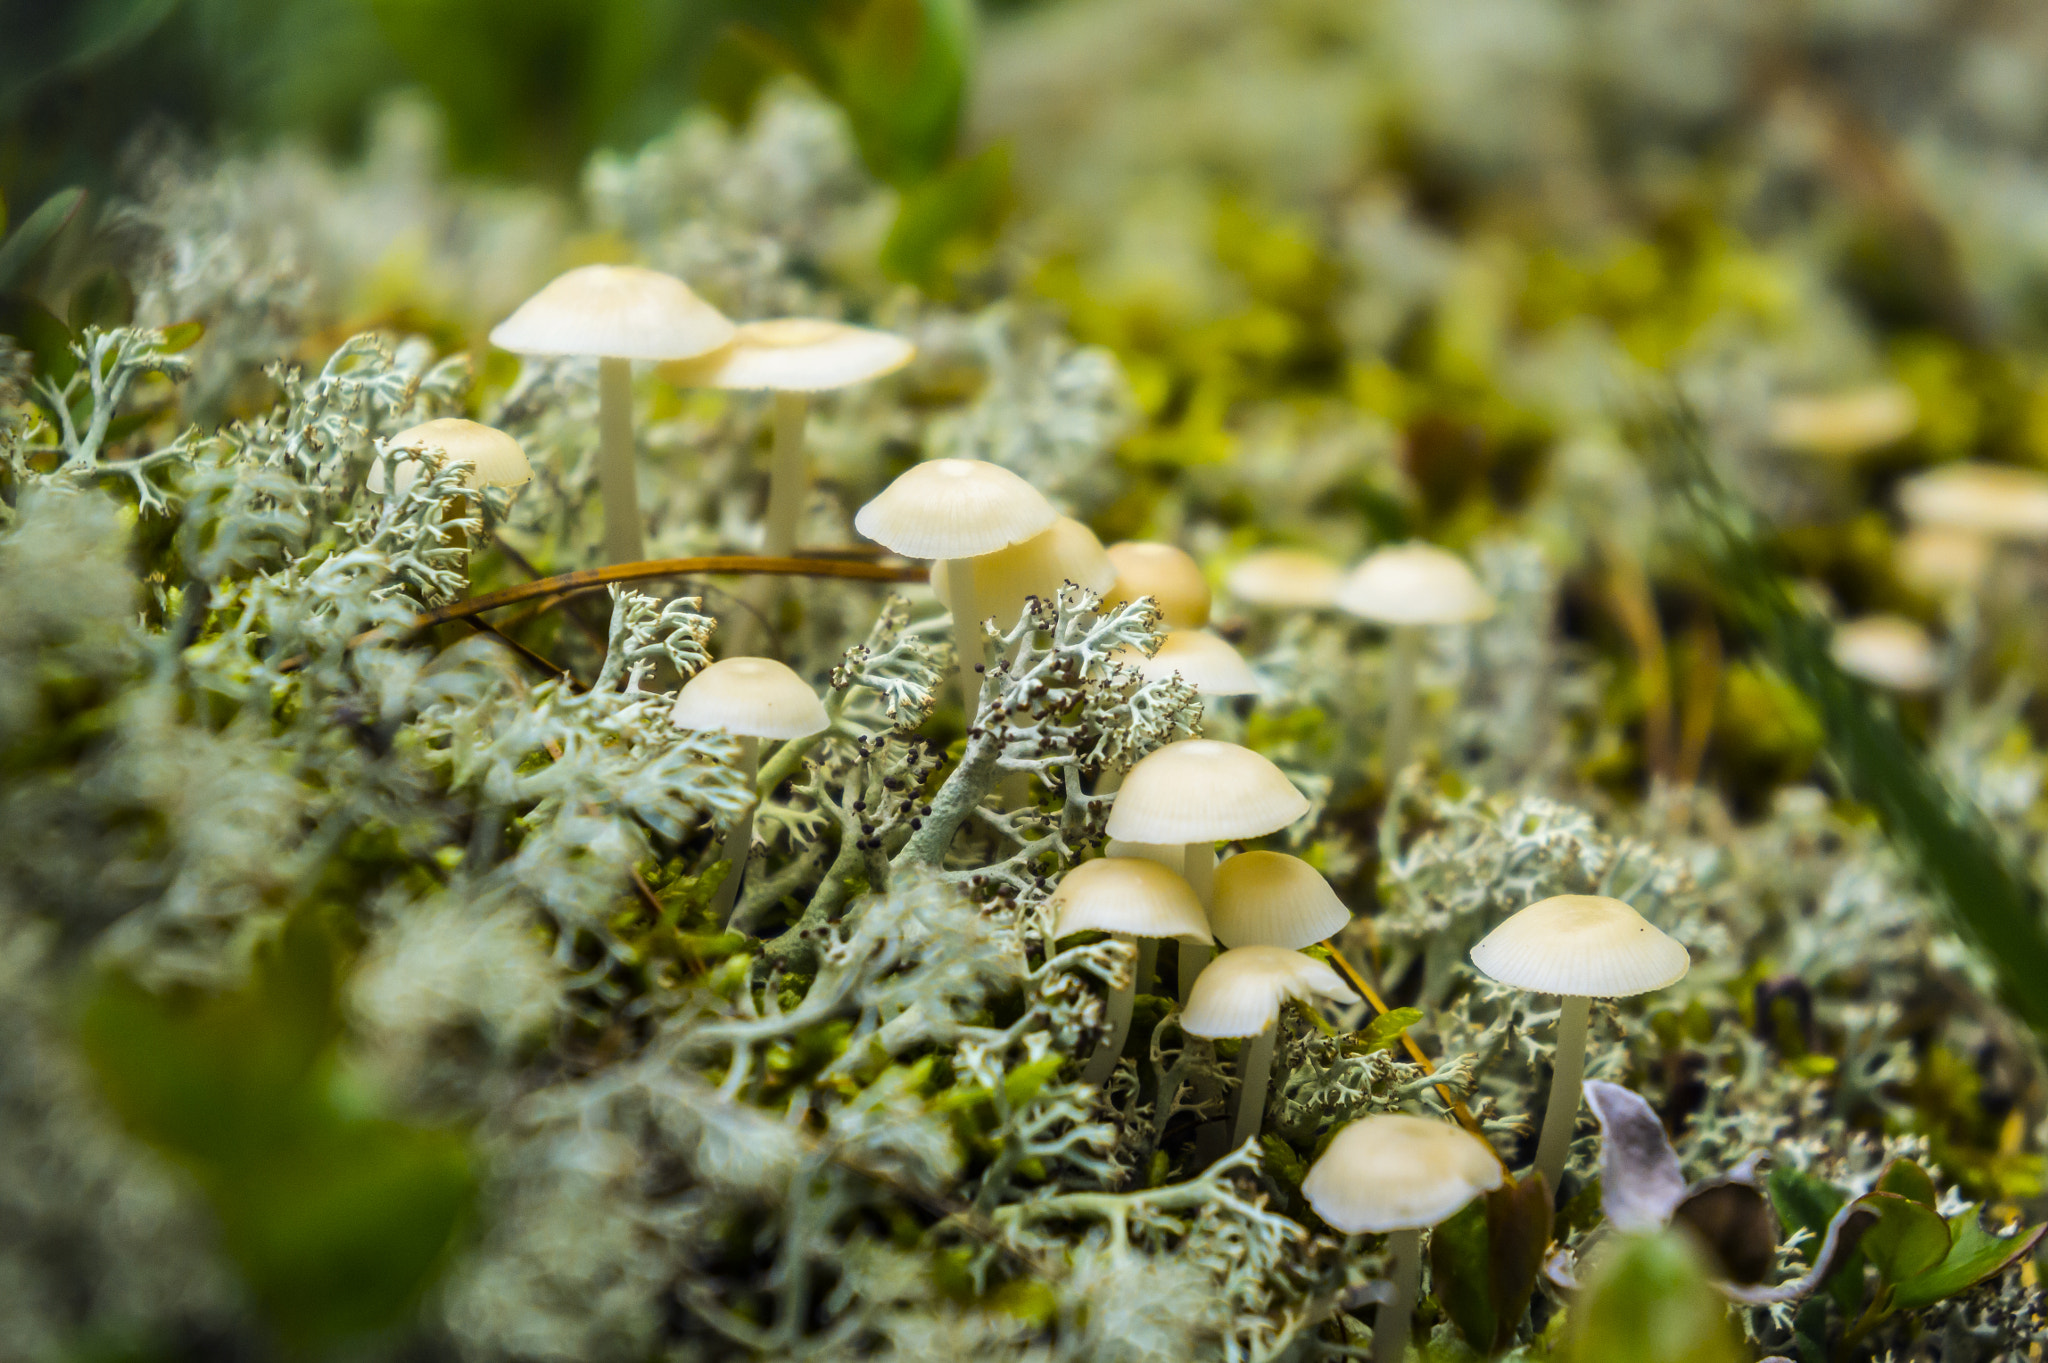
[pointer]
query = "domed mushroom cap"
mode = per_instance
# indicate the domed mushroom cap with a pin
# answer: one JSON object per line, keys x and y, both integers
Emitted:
{"x": 955, "y": 508}
{"x": 1240, "y": 992}
{"x": 619, "y": 312}
{"x": 1937, "y": 560}
{"x": 1130, "y": 895}
{"x": 1395, "y": 1172}
{"x": 751, "y": 697}
{"x": 1166, "y": 574}
{"x": 1585, "y": 945}
{"x": 1414, "y": 584}
{"x": 494, "y": 458}
{"x": 1287, "y": 578}
{"x": 1201, "y": 660}
{"x": 1200, "y": 790}
{"x": 1989, "y": 499}
{"x": 796, "y": 355}
{"x": 1006, "y": 579}
{"x": 1889, "y": 651}
{"x": 1843, "y": 425}
{"x": 1274, "y": 900}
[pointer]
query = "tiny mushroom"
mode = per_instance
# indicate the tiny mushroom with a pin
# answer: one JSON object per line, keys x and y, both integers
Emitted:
{"x": 1407, "y": 588}
{"x": 1198, "y": 792}
{"x": 1202, "y": 660}
{"x": 1272, "y": 899}
{"x": 494, "y": 458}
{"x": 1888, "y": 651}
{"x": 1846, "y": 424}
{"x": 752, "y": 699}
{"x": 1285, "y": 579}
{"x": 1006, "y": 579}
{"x": 955, "y": 511}
{"x": 1240, "y": 995}
{"x": 1129, "y": 898}
{"x": 1399, "y": 1175}
{"x": 1581, "y": 947}
{"x": 1941, "y": 561}
{"x": 1168, "y": 575}
{"x": 1994, "y": 500}
{"x": 617, "y": 314}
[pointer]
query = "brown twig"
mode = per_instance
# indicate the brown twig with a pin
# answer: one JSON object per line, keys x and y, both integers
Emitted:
{"x": 1408, "y": 1043}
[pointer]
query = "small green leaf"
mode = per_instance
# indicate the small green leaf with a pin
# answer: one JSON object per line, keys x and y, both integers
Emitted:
{"x": 966, "y": 199}
{"x": 1807, "y": 1203}
{"x": 181, "y": 336}
{"x": 1908, "y": 1180}
{"x": 1383, "y": 1033}
{"x": 1907, "y": 1240}
{"x": 1022, "y": 1084}
{"x": 1519, "y": 1222}
{"x": 1459, "y": 1266}
{"x": 25, "y": 246}
{"x": 1975, "y": 1255}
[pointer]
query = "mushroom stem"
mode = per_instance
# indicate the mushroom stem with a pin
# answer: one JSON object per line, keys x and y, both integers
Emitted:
{"x": 1148, "y": 964}
{"x": 615, "y": 477}
{"x": 1103, "y": 1063}
{"x": 1568, "y": 1068}
{"x": 739, "y": 839}
{"x": 966, "y": 632}
{"x": 1256, "y": 1068}
{"x": 1198, "y": 865}
{"x": 1390, "y": 1325}
{"x": 786, "y": 474}
{"x": 1405, "y": 658}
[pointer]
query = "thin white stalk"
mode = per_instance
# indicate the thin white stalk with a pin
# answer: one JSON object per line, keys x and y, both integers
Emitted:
{"x": 1404, "y": 658}
{"x": 1102, "y": 1064}
{"x": 739, "y": 839}
{"x": 967, "y": 641}
{"x": 1568, "y": 1069}
{"x": 616, "y": 482}
{"x": 787, "y": 484}
{"x": 1198, "y": 865}
{"x": 1148, "y": 963}
{"x": 1390, "y": 1325}
{"x": 1255, "y": 1068}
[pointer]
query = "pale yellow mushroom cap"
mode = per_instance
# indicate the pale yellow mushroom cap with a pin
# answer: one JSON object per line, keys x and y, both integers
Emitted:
{"x": 1396, "y": 1172}
{"x": 494, "y": 458}
{"x": 1201, "y": 790}
{"x": 1414, "y": 584}
{"x": 1165, "y": 573}
{"x": 1274, "y": 900}
{"x": 1987, "y": 499}
{"x": 955, "y": 508}
{"x": 1240, "y": 992}
{"x": 796, "y": 355}
{"x": 1201, "y": 660}
{"x": 751, "y": 697}
{"x": 1938, "y": 561}
{"x": 619, "y": 312}
{"x": 1005, "y": 579}
{"x": 1846, "y": 424}
{"x": 1130, "y": 895}
{"x": 1889, "y": 651}
{"x": 1286, "y": 579}
{"x": 1584, "y": 945}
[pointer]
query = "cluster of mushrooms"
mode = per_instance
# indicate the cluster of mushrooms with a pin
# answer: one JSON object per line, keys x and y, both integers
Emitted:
{"x": 995, "y": 542}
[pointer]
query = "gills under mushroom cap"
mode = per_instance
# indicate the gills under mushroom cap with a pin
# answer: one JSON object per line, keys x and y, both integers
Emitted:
{"x": 1396, "y": 1172}
{"x": 955, "y": 508}
{"x": 1272, "y": 899}
{"x": 1202, "y": 790}
{"x": 1165, "y": 573}
{"x": 1130, "y": 895}
{"x": 1240, "y": 992}
{"x": 619, "y": 312}
{"x": 751, "y": 697}
{"x": 1414, "y": 584}
{"x": 493, "y": 457}
{"x": 1583, "y": 945}
{"x": 796, "y": 355}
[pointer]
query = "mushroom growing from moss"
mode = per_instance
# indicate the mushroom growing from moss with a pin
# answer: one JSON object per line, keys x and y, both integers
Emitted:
{"x": 1888, "y": 651}
{"x": 956, "y": 511}
{"x": 1240, "y": 995}
{"x": 493, "y": 458}
{"x": 1129, "y": 898}
{"x": 1275, "y": 900}
{"x": 1581, "y": 947}
{"x": 617, "y": 314}
{"x": 1408, "y": 588}
{"x": 1285, "y": 579}
{"x": 1398, "y": 1175}
{"x": 752, "y": 699}
{"x": 1165, "y": 573}
{"x": 1196, "y": 793}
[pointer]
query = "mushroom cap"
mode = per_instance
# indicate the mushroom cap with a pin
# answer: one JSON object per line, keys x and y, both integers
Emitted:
{"x": 1414, "y": 584}
{"x": 1938, "y": 560}
{"x": 1201, "y": 790}
{"x": 1584, "y": 945}
{"x": 1272, "y": 899}
{"x": 955, "y": 508}
{"x": 494, "y": 458}
{"x": 1172, "y": 855}
{"x": 1202, "y": 660}
{"x": 751, "y": 697}
{"x": 1006, "y": 579}
{"x": 620, "y": 312}
{"x": 1165, "y": 573}
{"x": 1286, "y": 578}
{"x": 1989, "y": 499}
{"x": 1240, "y": 992}
{"x": 1845, "y": 424}
{"x": 1130, "y": 895}
{"x": 1889, "y": 651}
{"x": 796, "y": 355}
{"x": 1396, "y": 1172}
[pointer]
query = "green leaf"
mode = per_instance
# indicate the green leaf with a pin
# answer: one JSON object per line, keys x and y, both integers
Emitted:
{"x": 1907, "y": 1240}
{"x": 1908, "y": 1180}
{"x": 181, "y": 336}
{"x": 968, "y": 199}
{"x": 1460, "y": 1252}
{"x": 1022, "y": 1084}
{"x": 1383, "y": 1033}
{"x": 25, "y": 246}
{"x": 1807, "y": 1203}
{"x": 902, "y": 77}
{"x": 1974, "y": 1255}
{"x": 37, "y": 330}
{"x": 1650, "y": 1298}
{"x": 105, "y": 300}
{"x": 1484, "y": 1262}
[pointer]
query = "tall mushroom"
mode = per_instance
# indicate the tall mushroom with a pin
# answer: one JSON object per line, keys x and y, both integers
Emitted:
{"x": 955, "y": 511}
{"x": 1399, "y": 1175}
{"x": 1581, "y": 947}
{"x": 1240, "y": 995}
{"x": 753, "y": 699}
{"x": 1129, "y": 898}
{"x": 1407, "y": 588}
{"x": 616, "y": 314}
{"x": 1274, "y": 900}
{"x": 1196, "y": 793}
